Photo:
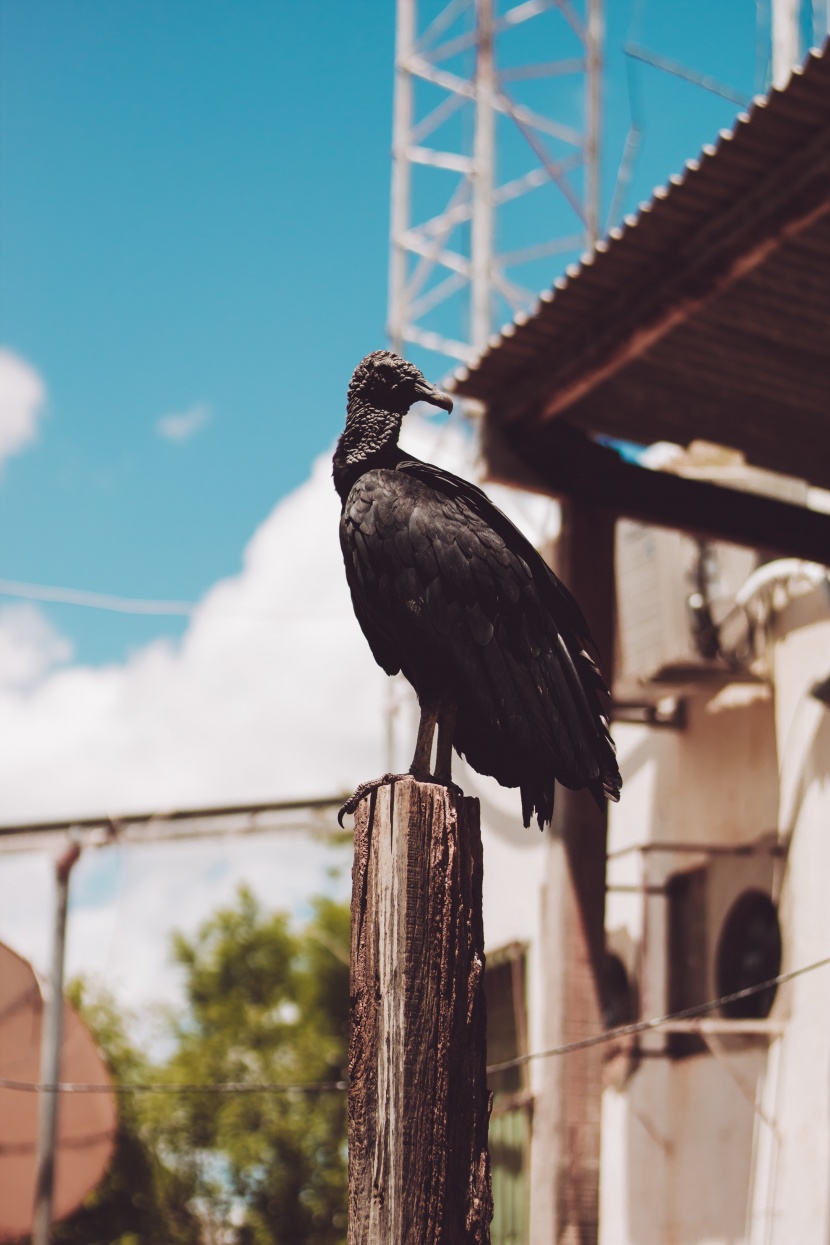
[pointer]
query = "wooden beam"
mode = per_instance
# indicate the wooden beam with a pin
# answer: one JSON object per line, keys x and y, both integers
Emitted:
{"x": 419, "y": 1171}
{"x": 563, "y": 461}
{"x": 567, "y": 1118}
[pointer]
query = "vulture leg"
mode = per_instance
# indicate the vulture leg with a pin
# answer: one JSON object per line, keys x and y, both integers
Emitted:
{"x": 419, "y": 768}
{"x": 423, "y": 747}
{"x": 444, "y": 715}
{"x": 443, "y": 753}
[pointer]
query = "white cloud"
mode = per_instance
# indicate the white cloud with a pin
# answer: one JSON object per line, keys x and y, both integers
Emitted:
{"x": 183, "y": 425}
{"x": 22, "y": 397}
{"x": 29, "y": 646}
{"x": 271, "y": 694}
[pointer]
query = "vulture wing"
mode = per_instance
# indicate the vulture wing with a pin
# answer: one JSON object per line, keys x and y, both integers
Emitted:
{"x": 447, "y": 590}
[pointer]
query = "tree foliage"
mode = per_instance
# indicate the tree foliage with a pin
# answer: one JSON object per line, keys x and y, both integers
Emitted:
{"x": 141, "y": 1200}
{"x": 265, "y": 1003}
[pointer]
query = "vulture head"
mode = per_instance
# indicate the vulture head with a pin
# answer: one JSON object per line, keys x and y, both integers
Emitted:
{"x": 384, "y": 381}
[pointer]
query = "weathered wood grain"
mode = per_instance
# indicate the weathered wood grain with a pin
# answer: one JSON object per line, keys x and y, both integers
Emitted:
{"x": 419, "y": 1171}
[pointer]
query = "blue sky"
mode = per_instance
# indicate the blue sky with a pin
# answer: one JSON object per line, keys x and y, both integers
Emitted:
{"x": 194, "y": 223}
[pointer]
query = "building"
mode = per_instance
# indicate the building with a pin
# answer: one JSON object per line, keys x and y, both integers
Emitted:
{"x": 704, "y": 321}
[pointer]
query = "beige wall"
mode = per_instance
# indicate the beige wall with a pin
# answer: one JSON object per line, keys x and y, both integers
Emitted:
{"x": 733, "y": 1146}
{"x": 793, "y": 1188}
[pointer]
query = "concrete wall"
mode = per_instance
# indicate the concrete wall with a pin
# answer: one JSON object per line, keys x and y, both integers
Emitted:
{"x": 792, "y": 1202}
{"x": 731, "y": 1145}
{"x": 678, "y": 1133}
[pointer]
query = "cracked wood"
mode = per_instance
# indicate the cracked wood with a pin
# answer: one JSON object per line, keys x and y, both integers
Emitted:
{"x": 419, "y": 1172}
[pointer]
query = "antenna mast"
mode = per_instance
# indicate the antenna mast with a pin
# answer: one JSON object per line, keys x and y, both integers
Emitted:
{"x": 478, "y": 88}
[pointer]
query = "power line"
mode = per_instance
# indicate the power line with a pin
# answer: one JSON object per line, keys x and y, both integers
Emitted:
{"x": 94, "y": 600}
{"x": 148, "y": 607}
{"x": 658, "y": 1022}
{"x": 677, "y": 70}
{"x": 165, "y": 1087}
{"x": 267, "y": 1087}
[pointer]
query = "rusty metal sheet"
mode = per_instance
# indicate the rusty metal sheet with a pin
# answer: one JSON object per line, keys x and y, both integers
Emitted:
{"x": 86, "y": 1122}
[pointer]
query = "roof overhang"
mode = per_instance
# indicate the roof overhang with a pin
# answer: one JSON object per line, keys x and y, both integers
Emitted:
{"x": 705, "y": 316}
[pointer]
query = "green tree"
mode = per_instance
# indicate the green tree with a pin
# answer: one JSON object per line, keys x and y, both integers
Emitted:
{"x": 265, "y": 1004}
{"x": 142, "y": 1200}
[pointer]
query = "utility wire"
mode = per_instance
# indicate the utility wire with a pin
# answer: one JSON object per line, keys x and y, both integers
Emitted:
{"x": 152, "y": 608}
{"x": 677, "y": 70}
{"x": 166, "y": 1087}
{"x": 636, "y": 126}
{"x": 313, "y": 1087}
{"x": 94, "y": 600}
{"x": 656, "y": 1022}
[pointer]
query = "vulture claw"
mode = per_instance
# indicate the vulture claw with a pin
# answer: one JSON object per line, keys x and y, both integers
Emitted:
{"x": 366, "y": 788}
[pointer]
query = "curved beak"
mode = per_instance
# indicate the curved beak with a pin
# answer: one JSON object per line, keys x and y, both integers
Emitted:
{"x": 426, "y": 392}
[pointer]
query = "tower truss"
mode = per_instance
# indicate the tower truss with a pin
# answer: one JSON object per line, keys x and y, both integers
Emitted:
{"x": 495, "y": 161}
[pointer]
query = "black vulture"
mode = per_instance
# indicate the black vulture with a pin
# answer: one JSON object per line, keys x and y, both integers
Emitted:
{"x": 448, "y": 591}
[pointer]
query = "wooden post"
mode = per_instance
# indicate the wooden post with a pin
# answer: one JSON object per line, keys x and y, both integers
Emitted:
{"x": 565, "y": 1207}
{"x": 419, "y": 1172}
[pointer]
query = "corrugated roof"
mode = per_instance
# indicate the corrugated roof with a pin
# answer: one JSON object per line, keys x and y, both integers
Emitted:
{"x": 705, "y": 315}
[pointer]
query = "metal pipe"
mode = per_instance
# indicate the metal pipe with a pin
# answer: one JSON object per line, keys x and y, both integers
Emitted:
{"x": 635, "y": 888}
{"x": 821, "y": 21}
{"x": 786, "y": 40}
{"x": 50, "y": 1057}
{"x": 401, "y": 134}
{"x": 483, "y": 159}
{"x": 593, "y": 119}
{"x": 756, "y": 847}
{"x": 119, "y": 821}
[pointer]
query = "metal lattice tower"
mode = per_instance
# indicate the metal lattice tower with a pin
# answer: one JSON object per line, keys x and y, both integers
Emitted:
{"x": 495, "y": 103}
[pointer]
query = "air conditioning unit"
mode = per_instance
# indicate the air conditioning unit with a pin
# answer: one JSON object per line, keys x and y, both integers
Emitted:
{"x": 659, "y": 574}
{"x": 723, "y": 937}
{"x": 671, "y": 588}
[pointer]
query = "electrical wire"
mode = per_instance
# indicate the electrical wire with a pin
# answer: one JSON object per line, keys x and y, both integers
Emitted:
{"x": 165, "y": 1087}
{"x": 93, "y": 600}
{"x": 636, "y": 125}
{"x": 149, "y": 608}
{"x": 313, "y": 1087}
{"x": 657, "y": 1022}
{"x": 678, "y": 70}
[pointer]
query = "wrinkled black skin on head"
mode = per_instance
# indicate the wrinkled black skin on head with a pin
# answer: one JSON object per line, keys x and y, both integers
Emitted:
{"x": 382, "y": 389}
{"x": 386, "y": 381}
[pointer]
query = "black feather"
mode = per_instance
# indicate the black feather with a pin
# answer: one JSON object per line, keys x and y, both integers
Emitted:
{"x": 447, "y": 590}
